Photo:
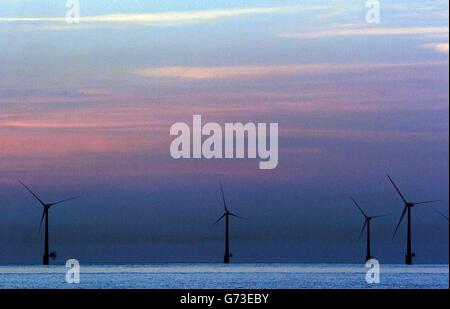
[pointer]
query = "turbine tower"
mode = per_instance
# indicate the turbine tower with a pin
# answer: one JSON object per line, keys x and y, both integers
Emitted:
{"x": 366, "y": 223}
{"x": 407, "y": 209}
{"x": 46, "y": 207}
{"x": 227, "y": 214}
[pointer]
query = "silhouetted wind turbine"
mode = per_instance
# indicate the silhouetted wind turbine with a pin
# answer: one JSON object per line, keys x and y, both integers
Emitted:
{"x": 440, "y": 213}
{"x": 46, "y": 207}
{"x": 407, "y": 209}
{"x": 227, "y": 214}
{"x": 366, "y": 223}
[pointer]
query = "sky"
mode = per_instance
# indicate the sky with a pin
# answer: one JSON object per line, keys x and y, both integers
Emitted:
{"x": 86, "y": 109}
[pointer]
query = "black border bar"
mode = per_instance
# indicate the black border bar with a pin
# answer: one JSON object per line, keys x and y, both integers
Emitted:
{"x": 276, "y": 298}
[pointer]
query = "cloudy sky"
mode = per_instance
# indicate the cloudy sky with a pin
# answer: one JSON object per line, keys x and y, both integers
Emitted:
{"x": 85, "y": 109}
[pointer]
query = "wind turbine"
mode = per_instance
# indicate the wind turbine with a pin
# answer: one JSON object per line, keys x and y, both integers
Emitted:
{"x": 366, "y": 223}
{"x": 227, "y": 214}
{"x": 46, "y": 207}
{"x": 407, "y": 209}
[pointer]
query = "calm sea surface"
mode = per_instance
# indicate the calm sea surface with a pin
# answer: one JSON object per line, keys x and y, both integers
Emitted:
{"x": 240, "y": 276}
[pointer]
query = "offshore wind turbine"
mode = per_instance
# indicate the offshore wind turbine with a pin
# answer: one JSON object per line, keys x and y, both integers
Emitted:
{"x": 366, "y": 224}
{"x": 407, "y": 209}
{"x": 226, "y": 215}
{"x": 44, "y": 218}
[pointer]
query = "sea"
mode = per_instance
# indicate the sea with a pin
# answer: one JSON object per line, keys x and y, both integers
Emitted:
{"x": 221, "y": 276}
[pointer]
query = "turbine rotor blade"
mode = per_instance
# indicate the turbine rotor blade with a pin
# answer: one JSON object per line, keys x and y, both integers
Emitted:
{"x": 232, "y": 214}
{"x": 426, "y": 202}
{"x": 66, "y": 200}
{"x": 362, "y": 230}
{"x": 360, "y": 209}
{"x": 42, "y": 219}
{"x": 34, "y": 195}
{"x": 223, "y": 198}
{"x": 400, "y": 221}
{"x": 437, "y": 211}
{"x": 380, "y": 216}
{"x": 398, "y": 191}
{"x": 220, "y": 218}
